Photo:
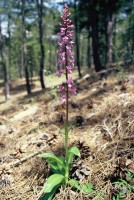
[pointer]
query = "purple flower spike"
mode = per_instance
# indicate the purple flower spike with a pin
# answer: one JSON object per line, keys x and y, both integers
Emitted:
{"x": 66, "y": 56}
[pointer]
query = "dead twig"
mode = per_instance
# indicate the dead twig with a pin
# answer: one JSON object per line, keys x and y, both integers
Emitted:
{"x": 40, "y": 194}
{"x": 129, "y": 137}
{"x": 126, "y": 150}
{"x": 107, "y": 129}
{"x": 18, "y": 162}
{"x": 36, "y": 142}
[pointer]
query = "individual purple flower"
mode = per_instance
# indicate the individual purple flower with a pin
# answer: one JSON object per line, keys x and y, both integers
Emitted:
{"x": 70, "y": 81}
{"x": 66, "y": 56}
{"x": 65, "y": 40}
{"x": 62, "y": 89}
{"x": 71, "y": 85}
{"x": 69, "y": 69}
{"x": 72, "y": 89}
{"x": 63, "y": 98}
{"x": 62, "y": 31}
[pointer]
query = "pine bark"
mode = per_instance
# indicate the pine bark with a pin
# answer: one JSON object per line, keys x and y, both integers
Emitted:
{"x": 50, "y": 57}
{"x": 4, "y": 67}
{"x": 9, "y": 47}
{"x": 77, "y": 40}
{"x": 41, "y": 37}
{"x": 110, "y": 29}
{"x": 95, "y": 40}
{"x": 24, "y": 49}
{"x": 89, "y": 48}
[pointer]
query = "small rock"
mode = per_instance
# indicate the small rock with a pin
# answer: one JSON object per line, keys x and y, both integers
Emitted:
{"x": 24, "y": 114}
{"x": 131, "y": 79}
{"x": 6, "y": 179}
{"x": 12, "y": 130}
{"x": 44, "y": 136}
{"x": 3, "y": 129}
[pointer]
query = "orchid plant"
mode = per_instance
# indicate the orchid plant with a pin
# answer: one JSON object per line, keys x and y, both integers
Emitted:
{"x": 60, "y": 166}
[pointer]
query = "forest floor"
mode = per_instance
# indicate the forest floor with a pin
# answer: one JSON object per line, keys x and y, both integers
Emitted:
{"x": 101, "y": 117}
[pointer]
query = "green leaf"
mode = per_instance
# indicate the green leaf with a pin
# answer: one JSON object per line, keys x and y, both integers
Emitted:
{"x": 52, "y": 181}
{"x": 85, "y": 188}
{"x": 55, "y": 168}
{"x": 52, "y": 157}
{"x": 62, "y": 158}
{"x": 49, "y": 196}
{"x": 70, "y": 158}
{"x": 75, "y": 151}
{"x": 88, "y": 188}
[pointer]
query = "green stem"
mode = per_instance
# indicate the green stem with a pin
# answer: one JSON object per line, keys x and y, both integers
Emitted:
{"x": 66, "y": 127}
{"x": 66, "y": 155}
{"x": 66, "y": 123}
{"x": 66, "y": 142}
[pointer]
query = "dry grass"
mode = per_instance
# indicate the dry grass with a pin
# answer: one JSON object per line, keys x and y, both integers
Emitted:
{"x": 107, "y": 112}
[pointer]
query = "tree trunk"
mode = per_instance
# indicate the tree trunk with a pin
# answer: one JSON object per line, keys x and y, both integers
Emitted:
{"x": 41, "y": 36}
{"x": 88, "y": 52}
{"x": 95, "y": 40}
{"x": 50, "y": 57}
{"x": 77, "y": 40}
{"x": 132, "y": 29}
{"x": 132, "y": 45}
{"x": 89, "y": 57}
{"x": 110, "y": 28}
{"x": 9, "y": 47}
{"x": 4, "y": 67}
{"x": 24, "y": 49}
{"x": 20, "y": 64}
{"x": 81, "y": 51}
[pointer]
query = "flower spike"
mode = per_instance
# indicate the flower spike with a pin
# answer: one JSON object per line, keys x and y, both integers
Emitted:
{"x": 66, "y": 56}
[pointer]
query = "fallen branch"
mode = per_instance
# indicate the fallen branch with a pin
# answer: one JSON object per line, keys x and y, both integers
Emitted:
{"x": 40, "y": 194}
{"x": 18, "y": 162}
{"x": 36, "y": 142}
{"x": 129, "y": 137}
{"x": 126, "y": 150}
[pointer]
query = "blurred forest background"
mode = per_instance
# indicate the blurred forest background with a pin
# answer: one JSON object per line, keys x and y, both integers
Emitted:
{"x": 103, "y": 35}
